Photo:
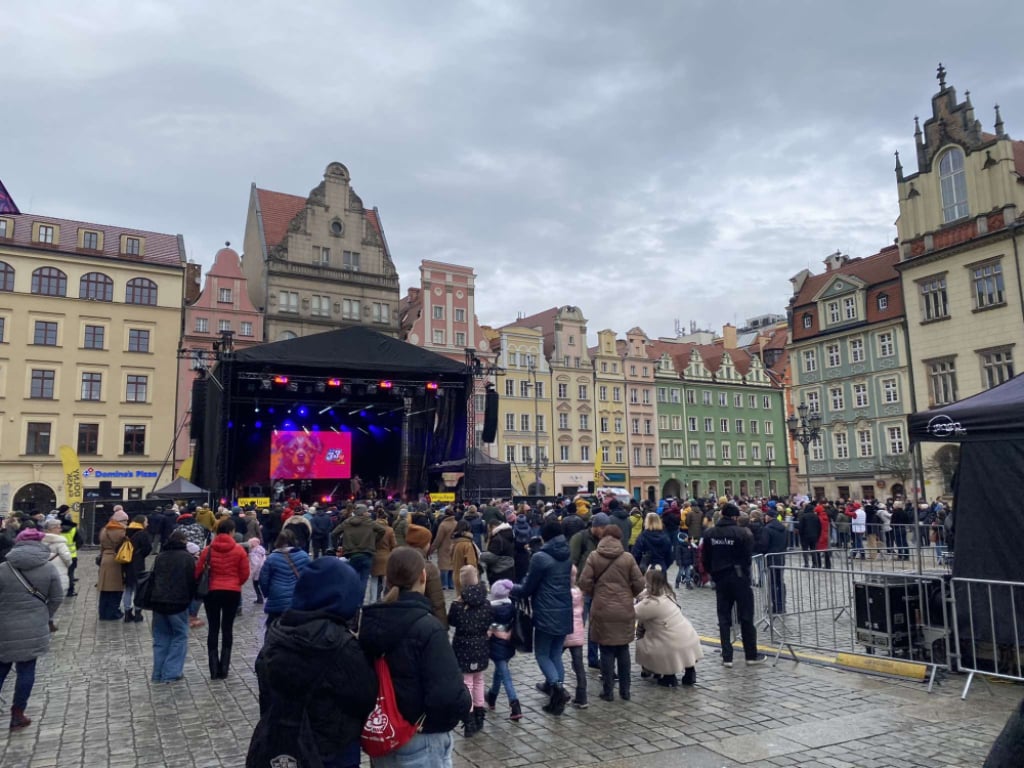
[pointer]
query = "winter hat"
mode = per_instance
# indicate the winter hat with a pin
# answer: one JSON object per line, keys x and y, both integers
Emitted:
{"x": 600, "y": 519}
{"x": 730, "y": 510}
{"x": 469, "y": 575}
{"x": 501, "y": 589}
{"x": 550, "y": 530}
{"x": 330, "y": 585}
{"x": 30, "y": 534}
{"x": 192, "y": 548}
{"x": 119, "y": 516}
{"x": 417, "y": 537}
{"x": 254, "y": 542}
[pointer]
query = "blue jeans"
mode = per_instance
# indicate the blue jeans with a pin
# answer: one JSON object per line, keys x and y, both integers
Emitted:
{"x": 424, "y": 750}
{"x": 858, "y": 545}
{"x": 503, "y": 677}
{"x": 26, "y": 678}
{"x": 170, "y": 645}
{"x": 447, "y": 580}
{"x": 127, "y": 599}
{"x": 548, "y": 650}
{"x": 362, "y": 564}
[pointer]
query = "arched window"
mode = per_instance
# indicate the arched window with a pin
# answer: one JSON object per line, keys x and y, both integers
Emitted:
{"x": 953, "y": 183}
{"x": 49, "y": 281}
{"x": 96, "y": 286}
{"x": 285, "y": 336}
{"x": 140, "y": 291}
{"x": 6, "y": 276}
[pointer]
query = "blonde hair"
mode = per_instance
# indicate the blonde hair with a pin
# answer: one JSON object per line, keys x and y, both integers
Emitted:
{"x": 653, "y": 522}
{"x": 469, "y": 575}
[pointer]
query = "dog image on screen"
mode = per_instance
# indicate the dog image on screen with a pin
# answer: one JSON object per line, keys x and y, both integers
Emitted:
{"x": 294, "y": 454}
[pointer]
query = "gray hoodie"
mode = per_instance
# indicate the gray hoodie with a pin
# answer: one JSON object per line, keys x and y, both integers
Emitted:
{"x": 25, "y": 629}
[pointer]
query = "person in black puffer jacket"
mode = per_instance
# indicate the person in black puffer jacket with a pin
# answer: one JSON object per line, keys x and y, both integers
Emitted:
{"x": 142, "y": 545}
{"x": 426, "y": 676}
{"x": 316, "y": 687}
{"x": 653, "y": 546}
{"x": 174, "y": 586}
{"x": 500, "y": 555}
{"x": 471, "y": 615}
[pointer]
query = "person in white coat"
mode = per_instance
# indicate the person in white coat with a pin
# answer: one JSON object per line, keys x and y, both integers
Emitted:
{"x": 60, "y": 554}
{"x": 666, "y": 642}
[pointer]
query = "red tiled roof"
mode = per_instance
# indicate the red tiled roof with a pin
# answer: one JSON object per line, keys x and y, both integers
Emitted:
{"x": 162, "y": 249}
{"x": 278, "y": 210}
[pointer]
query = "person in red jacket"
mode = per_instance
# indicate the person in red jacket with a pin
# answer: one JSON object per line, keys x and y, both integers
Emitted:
{"x": 229, "y": 570}
{"x": 819, "y": 510}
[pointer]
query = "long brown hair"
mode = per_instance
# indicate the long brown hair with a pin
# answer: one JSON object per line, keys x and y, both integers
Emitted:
{"x": 404, "y": 570}
{"x": 657, "y": 583}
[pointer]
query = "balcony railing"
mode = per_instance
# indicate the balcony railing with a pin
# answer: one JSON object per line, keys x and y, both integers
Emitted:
{"x": 332, "y": 274}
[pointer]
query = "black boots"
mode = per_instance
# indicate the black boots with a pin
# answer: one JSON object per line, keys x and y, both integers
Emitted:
{"x": 689, "y": 676}
{"x": 18, "y": 719}
{"x": 559, "y": 698}
{"x": 214, "y": 664}
{"x": 128, "y": 618}
{"x": 517, "y": 711}
{"x": 474, "y": 722}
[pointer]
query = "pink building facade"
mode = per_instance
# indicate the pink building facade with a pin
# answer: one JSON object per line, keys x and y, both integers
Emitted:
{"x": 223, "y": 305}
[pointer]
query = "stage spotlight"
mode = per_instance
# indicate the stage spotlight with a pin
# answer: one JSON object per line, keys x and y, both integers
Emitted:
{"x": 353, "y": 413}
{"x": 231, "y": 424}
{"x": 258, "y": 424}
{"x": 334, "y": 382}
{"x": 256, "y": 409}
{"x": 303, "y": 410}
{"x": 289, "y": 426}
{"x": 386, "y": 384}
{"x": 280, "y": 379}
{"x": 316, "y": 427}
{"x": 432, "y": 386}
{"x": 270, "y": 410}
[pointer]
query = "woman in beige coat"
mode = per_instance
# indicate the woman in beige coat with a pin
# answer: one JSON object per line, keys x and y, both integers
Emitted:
{"x": 666, "y": 640}
{"x": 464, "y": 552}
{"x": 612, "y": 579}
{"x": 385, "y": 543}
{"x": 111, "y": 577}
{"x": 443, "y": 546}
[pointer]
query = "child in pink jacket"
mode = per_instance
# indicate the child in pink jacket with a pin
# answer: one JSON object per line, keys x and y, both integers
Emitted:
{"x": 575, "y": 643}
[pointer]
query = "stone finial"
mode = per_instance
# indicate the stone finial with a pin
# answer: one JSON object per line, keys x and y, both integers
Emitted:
{"x": 899, "y": 166}
{"x": 917, "y": 129}
{"x": 940, "y": 74}
{"x": 999, "y": 123}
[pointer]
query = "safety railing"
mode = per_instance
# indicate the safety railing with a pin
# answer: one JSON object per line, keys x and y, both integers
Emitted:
{"x": 989, "y": 629}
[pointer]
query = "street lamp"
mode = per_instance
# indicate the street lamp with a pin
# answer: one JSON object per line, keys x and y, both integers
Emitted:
{"x": 805, "y": 430}
{"x": 538, "y": 465}
{"x": 768, "y": 462}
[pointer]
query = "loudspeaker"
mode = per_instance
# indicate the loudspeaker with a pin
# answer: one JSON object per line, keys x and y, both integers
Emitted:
{"x": 490, "y": 416}
{"x": 590, "y": 489}
{"x": 195, "y": 427}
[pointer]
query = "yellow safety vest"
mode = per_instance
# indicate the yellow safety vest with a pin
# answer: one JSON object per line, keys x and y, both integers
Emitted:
{"x": 69, "y": 537}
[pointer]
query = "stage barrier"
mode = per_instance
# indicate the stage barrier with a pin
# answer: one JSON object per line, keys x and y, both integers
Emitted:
{"x": 989, "y": 629}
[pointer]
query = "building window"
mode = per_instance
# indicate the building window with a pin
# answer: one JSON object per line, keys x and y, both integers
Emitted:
{"x": 6, "y": 276}
{"x": 662, "y": 394}
{"x": 988, "y": 285}
{"x": 841, "y": 445}
{"x": 890, "y": 391}
{"x": 769, "y": 452}
{"x": 860, "y": 395}
{"x": 691, "y": 423}
{"x": 92, "y": 384}
{"x": 524, "y": 422}
{"x": 322, "y": 256}
{"x": 584, "y": 422}
{"x": 288, "y": 301}
{"x": 739, "y": 426}
{"x": 674, "y": 395}
{"x": 737, "y": 400}
{"x": 645, "y": 396}
{"x": 524, "y": 388}
{"x": 510, "y": 422}
{"x": 709, "y": 424}
{"x": 755, "y": 452}
{"x": 633, "y": 396}
{"x": 953, "y": 184}
{"x": 603, "y": 423}
{"x": 695, "y": 450}
{"x": 856, "y": 350}
{"x": 140, "y": 291}
{"x": 138, "y": 340}
{"x": 808, "y": 320}
{"x": 849, "y": 308}
{"x": 666, "y": 450}
{"x": 350, "y": 309}
{"x": 246, "y": 328}
{"x": 752, "y": 401}
{"x": 460, "y": 338}
{"x": 817, "y": 449}
{"x": 563, "y": 421}
{"x": 635, "y": 424}
{"x": 741, "y": 452}
{"x": 810, "y": 361}
{"x": 202, "y": 325}
{"x": 833, "y": 312}
{"x": 883, "y": 302}
{"x": 4, "y": 230}
{"x": 437, "y": 312}
{"x": 616, "y": 394}
{"x": 137, "y": 389}
{"x": 996, "y": 366}
{"x": 709, "y": 451}
{"x": 605, "y": 454}
{"x": 45, "y": 334}
{"x": 753, "y": 426}
{"x": 723, "y": 399}
{"x": 942, "y": 381}
{"x": 617, "y": 424}
{"x": 584, "y": 453}
{"x": 834, "y": 359}
{"x": 37, "y": 442}
{"x": 583, "y": 391}
{"x": 648, "y": 456}
{"x": 132, "y": 247}
{"x": 865, "y": 447}
{"x": 769, "y": 428}
{"x": 563, "y": 391}
{"x": 766, "y": 402}
{"x": 510, "y": 387}
{"x": 618, "y": 454}
{"x": 662, "y": 422}
{"x": 895, "y": 435}
{"x": 540, "y": 422}
{"x": 42, "y": 384}
{"x": 886, "y": 348}
{"x": 45, "y": 234}
{"x": 438, "y": 336}
{"x": 934, "y": 304}
{"x": 813, "y": 402}
{"x": 677, "y": 422}
{"x": 3, "y": 328}
{"x": 602, "y": 393}
{"x": 350, "y": 260}
{"x": 49, "y": 281}
{"x": 96, "y": 286}
{"x": 836, "y": 397}
{"x": 224, "y": 295}
{"x": 320, "y": 306}
{"x": 706, "y": 397}
{"x": 510, "y": 453}
{"x": 134, "y": 440}
{"x": 88, "y": 439}
{"x": 460, "y": 315}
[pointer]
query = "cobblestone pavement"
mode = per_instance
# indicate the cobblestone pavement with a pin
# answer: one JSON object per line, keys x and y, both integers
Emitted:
{"x": 94, "y": 705}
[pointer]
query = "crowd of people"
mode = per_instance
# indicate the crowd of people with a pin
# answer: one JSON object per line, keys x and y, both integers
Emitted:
{"x": 457, "y": 592}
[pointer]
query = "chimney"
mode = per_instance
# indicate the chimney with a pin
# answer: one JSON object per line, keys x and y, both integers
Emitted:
{"x": 193, "y": 278}
{"x": 835, "y": 261}
{"x": 799, "y": 279}
{"x": 729, "y": 336}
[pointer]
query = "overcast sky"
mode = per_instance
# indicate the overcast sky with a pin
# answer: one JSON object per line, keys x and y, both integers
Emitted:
{"x": 647, "y": 161}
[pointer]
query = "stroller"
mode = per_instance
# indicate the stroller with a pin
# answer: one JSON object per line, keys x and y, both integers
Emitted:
{"x": 686, "y": 557}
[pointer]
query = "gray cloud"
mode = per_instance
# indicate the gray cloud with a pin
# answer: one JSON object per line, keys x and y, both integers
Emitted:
{"x": 647, "y": 161}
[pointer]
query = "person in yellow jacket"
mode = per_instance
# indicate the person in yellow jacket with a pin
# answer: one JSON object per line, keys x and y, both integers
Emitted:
{"x": 69, "y": 530}
{"x": 636, "y": 522}
{"x": 204, "y": 516}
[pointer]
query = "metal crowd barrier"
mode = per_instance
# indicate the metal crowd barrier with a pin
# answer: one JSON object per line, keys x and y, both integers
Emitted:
{"x": 989, "y": 629}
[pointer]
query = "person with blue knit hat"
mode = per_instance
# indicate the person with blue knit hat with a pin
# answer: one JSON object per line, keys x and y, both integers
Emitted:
{"x": 316, "y": 687}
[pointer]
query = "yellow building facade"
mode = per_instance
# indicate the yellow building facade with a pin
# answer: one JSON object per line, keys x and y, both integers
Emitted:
{"x": 90, "y": 318}
{"x": 610, "y": 406}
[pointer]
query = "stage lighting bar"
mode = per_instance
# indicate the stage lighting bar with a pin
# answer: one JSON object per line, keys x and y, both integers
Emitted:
{"x": 334, "y": 382}
{"x": 432, "y": 386}
{"x": 386, "y": 384}
{"x": 280, "y": 379}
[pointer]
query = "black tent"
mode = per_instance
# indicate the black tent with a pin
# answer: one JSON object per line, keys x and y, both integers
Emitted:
{"x": 180, "y": 488}
{"x": 484, "y": 478}
{"x": 422, "y": 410}
{"x": 987, "y": 499}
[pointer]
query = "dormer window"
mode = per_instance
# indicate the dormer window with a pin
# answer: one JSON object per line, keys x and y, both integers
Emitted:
{"x": 224, "y": 295}
{"x": 953, "y": 184}
{"x": 132, "y": 246}
{"x": 6, "y": 228}
{"x": 807, "y": 320}
{"x": 833, "y": 312}
{"x": 850, "y": 308}
{"x": 45, "y": 234}
{"x": 883, "y": 302}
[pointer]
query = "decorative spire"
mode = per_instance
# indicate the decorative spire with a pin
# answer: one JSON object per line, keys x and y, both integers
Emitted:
{"x": 999, "y": 123}
{"x": 899, "y": 166}
{"x": 917, "y": 129}
{"x": 940, "y": 74}
{"x": 967, "y": 99}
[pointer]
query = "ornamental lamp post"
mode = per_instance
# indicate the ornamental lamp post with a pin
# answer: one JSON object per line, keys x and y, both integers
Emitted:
{"x": 805, "y": 430}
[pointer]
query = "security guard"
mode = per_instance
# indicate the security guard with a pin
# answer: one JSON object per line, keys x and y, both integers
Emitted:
{"x": 726, "y": 556}
{"x": 69, "y": 530}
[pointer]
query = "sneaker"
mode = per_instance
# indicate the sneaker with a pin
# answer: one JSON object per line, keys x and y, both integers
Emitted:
{"x": 580, "y": 704}
{"x": 757, "y": 660}
{"x": 727, "y": 664}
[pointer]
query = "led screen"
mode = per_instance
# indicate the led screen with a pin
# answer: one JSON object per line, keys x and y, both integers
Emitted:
{"x": 310, "y": 455}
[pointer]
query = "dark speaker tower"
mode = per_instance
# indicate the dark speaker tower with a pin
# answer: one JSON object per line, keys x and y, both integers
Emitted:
{"x": 195, "y": 426}
{"x": 490, "y": 416}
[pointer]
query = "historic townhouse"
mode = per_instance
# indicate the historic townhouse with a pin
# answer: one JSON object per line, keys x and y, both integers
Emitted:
{"x": 320, "y": 262}
{"x": 849, "y": 358}
{"x": 610, "y": 404}
{"x": 90, "y": 317}
{"x": 641, "y": 416}
{"x": 671, "y": 415}
{"x": 960, "y": 251}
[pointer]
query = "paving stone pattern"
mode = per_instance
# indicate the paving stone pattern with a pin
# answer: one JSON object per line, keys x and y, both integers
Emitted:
{"x": 94, "y": 705}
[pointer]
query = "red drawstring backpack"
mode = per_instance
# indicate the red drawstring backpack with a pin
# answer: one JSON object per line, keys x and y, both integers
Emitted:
{"x": 385, "y": 730}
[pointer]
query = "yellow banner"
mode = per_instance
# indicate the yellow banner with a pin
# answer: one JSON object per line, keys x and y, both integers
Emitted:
{"x": 262, "y": 502}
{"x": 442, "y": 497}
{"x": 185, "y": 473}
{"x": 74, "y": 494}
{"x": 597, "y": 463}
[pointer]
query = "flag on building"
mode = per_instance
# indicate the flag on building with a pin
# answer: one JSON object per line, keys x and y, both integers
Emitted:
{"x": 7, "y": 202}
